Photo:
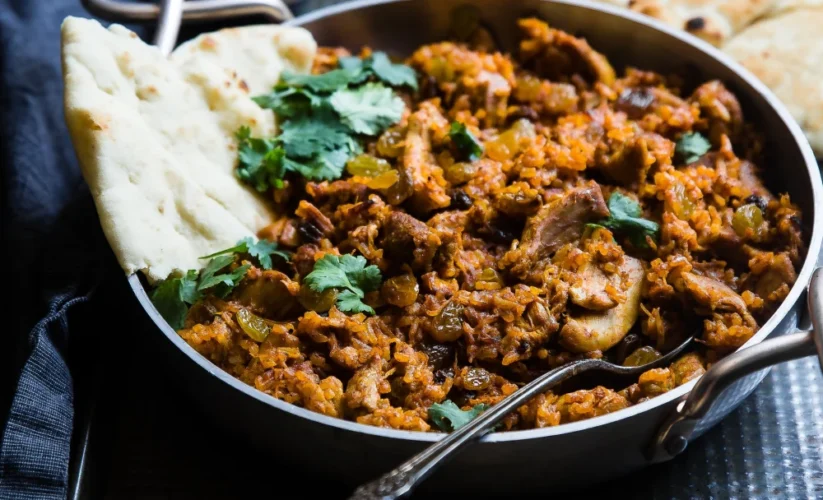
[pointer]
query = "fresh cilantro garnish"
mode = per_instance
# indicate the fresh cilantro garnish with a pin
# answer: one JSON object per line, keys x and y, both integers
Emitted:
{"x": 369, "y": 109}
{"x": 692, "y": 146}
{"x": 222, "y": 283}
{"x": 624, "y": 217}
{"x": 323, "y": 167}
{"x": 467, "y": 144}
{"x": 449, "y": 417}
{"x": 289, "y": 101}
{"x": 320, "y": 119}
{"x": 379, "y": 64}
{"x": 261, "y": 161}
{"x": 306, "y": 137}
{"x": 262, "y": 250}
{"x": 323, "y": 82}
{"x": 173, "y": 296}
{"x": 350, "y": 276}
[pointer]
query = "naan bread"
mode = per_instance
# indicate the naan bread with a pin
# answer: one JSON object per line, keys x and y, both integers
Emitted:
{"x": 784, "y": 52}
{"x": 712, "y": 20}
{"x": 155, "y": 136}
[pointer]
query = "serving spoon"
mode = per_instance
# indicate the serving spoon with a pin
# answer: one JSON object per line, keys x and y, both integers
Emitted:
{"x": 673, "y": 435}
{"x": 400, "y": 481}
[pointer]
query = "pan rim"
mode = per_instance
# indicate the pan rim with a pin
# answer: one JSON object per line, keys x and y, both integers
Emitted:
{"x": 758, "y": 90}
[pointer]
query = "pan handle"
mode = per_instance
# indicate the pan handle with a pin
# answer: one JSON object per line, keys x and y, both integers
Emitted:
{"x": 202, "y": 10}
{"x": 674, "y": 435}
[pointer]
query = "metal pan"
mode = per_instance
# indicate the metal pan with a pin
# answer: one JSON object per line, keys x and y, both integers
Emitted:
{"x": 569, "y": 455}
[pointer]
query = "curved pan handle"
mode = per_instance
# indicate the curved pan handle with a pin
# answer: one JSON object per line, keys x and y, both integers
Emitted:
{"x": 200, "y": 10}
{"x": 169, "y": 14}
{"x": 675, "y": 433}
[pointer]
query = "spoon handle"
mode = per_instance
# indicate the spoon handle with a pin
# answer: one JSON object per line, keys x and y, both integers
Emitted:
{"x": 402, "y": 480}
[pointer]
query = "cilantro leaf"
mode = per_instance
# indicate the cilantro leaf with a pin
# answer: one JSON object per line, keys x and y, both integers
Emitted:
{"x": 348, "y": 301}
{"x": 625, "y": 217}
{"x": 323, "y": 82}
{"x": 369, "y": 109}
{"x": 396, "y": 75}
{"x": 288, "y": 101}
{"x": 692, "y": 146}
{"x": 379, "y": 65}
{"x": 322, "y": 167}
{"x": 466, "y": 143}
{"x": 352, "y": 63}
{"x": 260, "y": 161}
{"x": 307, "y": 136}
{"x": 173, "y": 296}
{"x": 224, "y": 282}
{"x": 262, "y": 250}
{"x": 350, "y": 275}
{"x": 449, "y": 417}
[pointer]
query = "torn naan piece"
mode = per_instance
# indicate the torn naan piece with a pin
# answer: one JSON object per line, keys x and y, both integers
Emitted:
{"x": 155, "y": 136}
{"x": 785, "y": 54}
{"x": 715, "y": 21}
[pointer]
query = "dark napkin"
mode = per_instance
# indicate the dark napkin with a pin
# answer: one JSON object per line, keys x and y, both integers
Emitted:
{"x": 54, "y": 252}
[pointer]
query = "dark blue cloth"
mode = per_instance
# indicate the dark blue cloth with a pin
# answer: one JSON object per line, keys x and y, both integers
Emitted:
{"x": 52, "y": 247}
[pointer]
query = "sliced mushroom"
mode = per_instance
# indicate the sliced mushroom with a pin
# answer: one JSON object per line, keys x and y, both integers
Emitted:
{"x": 593, "y": 331}
{"x": 590, "y": 289}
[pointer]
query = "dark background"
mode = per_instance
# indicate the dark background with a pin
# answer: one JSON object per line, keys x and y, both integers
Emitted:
{"x": 148, "y": 441}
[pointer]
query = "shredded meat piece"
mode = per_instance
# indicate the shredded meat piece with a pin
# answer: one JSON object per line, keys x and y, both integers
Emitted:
{"x": 556, "y": 55}
{"x": 428, "y": 186}
{"x": 558, "y": 222}
{"x": 407, "y": 240}
{"x": 721, "y": 108}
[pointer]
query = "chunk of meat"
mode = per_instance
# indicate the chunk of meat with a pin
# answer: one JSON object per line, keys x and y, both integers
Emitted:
{"x": 721, "y": 108}
{"x": 773, "y": 275}
{"x": 600, "y": 331}
{"x": 712, "y": 294}
{"x": 557, "y": 223}
{"x": 363, "y": 388}
{"x": 408, "y": 240}
{"x": 688, "y": 367}
{"x": 428, "y": 185}
{"x": 556, "y": 55}
{"x": 585, "y": 404}
{"x": 656, "y": 381}
{"x": 283, "y": 231}
{"x": 314, "y": 225}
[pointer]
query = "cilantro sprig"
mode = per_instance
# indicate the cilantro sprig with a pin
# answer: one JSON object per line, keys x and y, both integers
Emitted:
{"x": 174, "y": 296}
{"x": 691, "y": 146}
{"x": 625, "y": 217}
{"x": 465, "y": 142}
{"x": 379, "y": 65}
{"x": 262, "y": 250}
{"x": 321, "y": 119}
{"x": 449, "y": 417}
{"x": 348, "y": 274}
{"x": 369, "y": 109}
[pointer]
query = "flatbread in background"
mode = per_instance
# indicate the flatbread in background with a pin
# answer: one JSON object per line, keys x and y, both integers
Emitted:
{"x": 785, "y": 53}
{"x": 783, "y": 6}
{"x": 155, "y": 137}
{"x": 715, "y": 21}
